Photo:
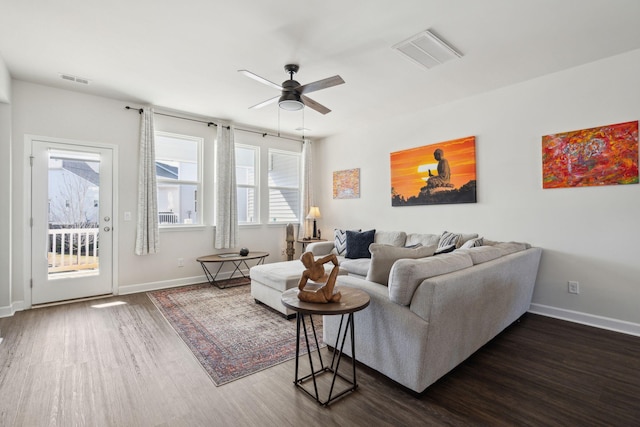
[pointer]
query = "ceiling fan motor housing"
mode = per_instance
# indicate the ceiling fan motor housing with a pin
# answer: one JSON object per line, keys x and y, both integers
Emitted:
{"x": 290, "y": 85}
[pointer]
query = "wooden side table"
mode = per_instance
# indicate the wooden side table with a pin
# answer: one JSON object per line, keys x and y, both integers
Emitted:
{"x": 305, "y": 242}
{"x": 236, "y": 259}
{"x": 352, "y": 300}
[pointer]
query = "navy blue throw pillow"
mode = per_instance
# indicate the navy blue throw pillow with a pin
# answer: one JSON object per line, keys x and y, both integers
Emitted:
{"x": 358, "y": 243}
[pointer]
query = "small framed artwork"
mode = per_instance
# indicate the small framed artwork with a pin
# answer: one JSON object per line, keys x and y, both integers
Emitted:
{"x": 434, "y": 174}
{"x": 605, "y": 155}
{"x": 346, "y": 184}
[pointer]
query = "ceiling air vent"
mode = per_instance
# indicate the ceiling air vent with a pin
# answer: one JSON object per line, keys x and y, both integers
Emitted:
{"x": 75, "y": 79}
{"x": 427, "y": 50}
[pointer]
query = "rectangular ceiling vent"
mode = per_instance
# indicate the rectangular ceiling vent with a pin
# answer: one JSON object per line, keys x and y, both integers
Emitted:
{"x": 75, "y": 79}
{"x": 427, "y": 50}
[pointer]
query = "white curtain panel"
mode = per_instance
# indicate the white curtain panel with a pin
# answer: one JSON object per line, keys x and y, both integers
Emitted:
{"x": 305, "y": 229}
{"x": 226, "y": 234}
{"x": 147, "y": 236}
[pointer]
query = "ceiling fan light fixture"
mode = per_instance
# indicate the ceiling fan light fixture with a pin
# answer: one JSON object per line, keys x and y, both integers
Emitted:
{"x": 290, "y": 102}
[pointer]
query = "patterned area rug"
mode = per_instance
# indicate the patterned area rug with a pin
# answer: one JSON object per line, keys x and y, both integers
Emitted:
{"x": 229, "y": 333}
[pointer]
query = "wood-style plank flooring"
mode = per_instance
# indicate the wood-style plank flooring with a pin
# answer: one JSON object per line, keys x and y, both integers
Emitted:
{"x": 74, "y": 365}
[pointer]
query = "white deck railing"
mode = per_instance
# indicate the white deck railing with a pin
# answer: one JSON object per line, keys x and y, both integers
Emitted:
{"x": 167, "y": 218}
{"x": 73, "y": 249}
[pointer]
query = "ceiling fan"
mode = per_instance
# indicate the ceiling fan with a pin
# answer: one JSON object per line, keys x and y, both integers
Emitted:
{"x": 293, "y": 95}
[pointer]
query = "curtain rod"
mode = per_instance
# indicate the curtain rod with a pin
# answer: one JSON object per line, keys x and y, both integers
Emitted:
{"x": 264, "y": 134}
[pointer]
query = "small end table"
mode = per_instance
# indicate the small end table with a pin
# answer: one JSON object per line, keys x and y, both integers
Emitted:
{"x": 352, "y": 300}
{"x": 236, "y": 259}
{"x": 305, "y": 242}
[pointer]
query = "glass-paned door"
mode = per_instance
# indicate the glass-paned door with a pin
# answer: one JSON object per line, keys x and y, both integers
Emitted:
{"x": 72, "y": 229}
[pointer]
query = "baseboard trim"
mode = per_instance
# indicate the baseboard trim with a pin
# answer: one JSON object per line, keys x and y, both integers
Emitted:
{"x": 8, "y": 311}
{"x": 164, "y": 284}
{"x": 601, "y": 322}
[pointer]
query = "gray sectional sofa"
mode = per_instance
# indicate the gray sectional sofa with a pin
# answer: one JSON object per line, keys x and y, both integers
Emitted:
{"x": 429, "y": 311}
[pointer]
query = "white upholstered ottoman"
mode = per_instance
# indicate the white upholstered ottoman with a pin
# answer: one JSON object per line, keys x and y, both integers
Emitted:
{"x": 269, "y": 281}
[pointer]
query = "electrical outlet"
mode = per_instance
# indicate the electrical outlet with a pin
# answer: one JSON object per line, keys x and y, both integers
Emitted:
{"x": 283, "y": 253}
{"x": 180, "y": 262}
{"x": 574, "y": 287}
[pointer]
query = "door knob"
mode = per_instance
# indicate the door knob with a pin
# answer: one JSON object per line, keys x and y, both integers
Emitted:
{"x": 106, "y": 218}
{"x": 107, "y": 229}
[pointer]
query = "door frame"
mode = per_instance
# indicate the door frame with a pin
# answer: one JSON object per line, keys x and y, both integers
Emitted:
{"x": 28, "y": 263}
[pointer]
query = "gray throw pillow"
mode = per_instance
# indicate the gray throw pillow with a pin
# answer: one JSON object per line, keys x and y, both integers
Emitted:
{"x": 383, "y": 257}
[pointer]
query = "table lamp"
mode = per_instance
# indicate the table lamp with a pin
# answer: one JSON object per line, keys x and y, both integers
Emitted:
{"x": 314, "y": 213}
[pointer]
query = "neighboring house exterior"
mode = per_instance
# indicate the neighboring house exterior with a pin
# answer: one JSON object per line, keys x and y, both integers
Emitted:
{"x": 73, "y": 193}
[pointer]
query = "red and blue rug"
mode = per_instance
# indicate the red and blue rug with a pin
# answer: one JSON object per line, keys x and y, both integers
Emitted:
{"x": 228, "y": 332}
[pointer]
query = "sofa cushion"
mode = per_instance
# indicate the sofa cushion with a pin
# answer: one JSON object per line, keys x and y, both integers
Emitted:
{"x": 511, "y": 247}
{"x": 279, "y": 275}
{"x": 383, "y": 257}
{"x": 358, "y": 267}
{"x": 482, "y": 254}
{"x": 424, "y": 239}
{"x": 394, "y": 238}
{"x": 407, "y": 274}
{"x": 358, "y": 243}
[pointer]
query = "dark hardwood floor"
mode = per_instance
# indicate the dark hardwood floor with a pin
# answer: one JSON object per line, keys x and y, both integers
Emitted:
{"x": 124, "y": 365}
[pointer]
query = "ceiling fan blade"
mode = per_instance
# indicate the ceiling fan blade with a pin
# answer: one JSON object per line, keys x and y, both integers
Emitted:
{"x": 314, "y": 105}
{"x": 321, "y": 84}
{"x": 265, "y": 103}
{"x": 260, "y": 79}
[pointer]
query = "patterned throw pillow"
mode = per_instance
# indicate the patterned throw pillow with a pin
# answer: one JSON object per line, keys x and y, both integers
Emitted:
{"x": 340, "y": 241}
{"x": 445, "y": 249}
{"x": 448, "y": 239}
{"x": 473, "y": 243}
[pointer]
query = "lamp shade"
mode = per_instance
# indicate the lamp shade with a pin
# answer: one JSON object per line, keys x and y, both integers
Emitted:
{"x": 314, "y": 212}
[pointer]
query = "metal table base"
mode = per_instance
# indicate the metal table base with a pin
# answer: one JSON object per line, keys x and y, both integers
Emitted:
{"x": 333, "y": 368}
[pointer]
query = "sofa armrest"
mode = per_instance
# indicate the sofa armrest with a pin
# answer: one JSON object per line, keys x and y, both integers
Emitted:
{"x": 320, "y": 248}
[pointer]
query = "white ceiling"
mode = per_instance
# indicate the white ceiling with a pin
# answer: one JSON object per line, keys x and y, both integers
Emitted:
{"x": 184, "y": 55}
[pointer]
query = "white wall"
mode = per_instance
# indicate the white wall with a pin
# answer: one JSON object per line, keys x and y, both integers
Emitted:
{"x": 5, "y": 215}
{"x": 45, "y": 111}
{"x": 5, "y": 190}
{"x": 5, "y": 82}
{"x": 588, "y": 234}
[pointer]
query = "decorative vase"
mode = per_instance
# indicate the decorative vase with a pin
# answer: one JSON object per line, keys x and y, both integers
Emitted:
{"x": 244, "y": 252}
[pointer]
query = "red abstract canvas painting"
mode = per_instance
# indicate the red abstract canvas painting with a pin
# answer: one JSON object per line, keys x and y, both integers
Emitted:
{"x": 605, "y": 155}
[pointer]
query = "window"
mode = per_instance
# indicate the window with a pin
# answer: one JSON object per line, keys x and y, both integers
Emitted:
{"x": 179, "y": 178}
{"x": 246, "y": 182}
{"x": 284, "y": 186}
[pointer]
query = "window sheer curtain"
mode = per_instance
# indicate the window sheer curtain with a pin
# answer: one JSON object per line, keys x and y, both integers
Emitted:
{"x": 147, "y": 236}
{"x": 307, "y": 190}
{"x": 226, "y": 234}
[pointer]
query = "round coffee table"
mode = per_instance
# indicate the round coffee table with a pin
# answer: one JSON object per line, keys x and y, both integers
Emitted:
{"x": 352, "y": 300}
